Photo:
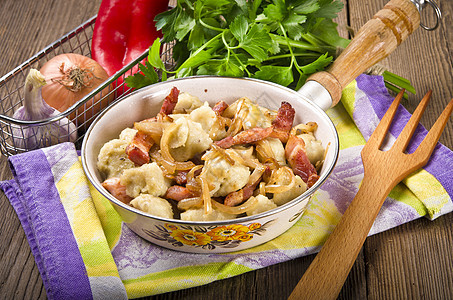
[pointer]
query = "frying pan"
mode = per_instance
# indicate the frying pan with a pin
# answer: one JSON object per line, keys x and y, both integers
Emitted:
{"x": 375, "y": 40}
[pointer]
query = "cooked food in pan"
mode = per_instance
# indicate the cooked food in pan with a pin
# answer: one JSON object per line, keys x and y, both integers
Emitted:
{"x": 195, "y": 162}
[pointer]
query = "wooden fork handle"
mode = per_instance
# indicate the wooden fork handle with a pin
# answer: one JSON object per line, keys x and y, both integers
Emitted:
{"x": 327, "y": 273}
{"x": 379, "y": 37}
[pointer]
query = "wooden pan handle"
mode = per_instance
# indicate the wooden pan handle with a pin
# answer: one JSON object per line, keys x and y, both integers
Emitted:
{"x": 375, "y": 41}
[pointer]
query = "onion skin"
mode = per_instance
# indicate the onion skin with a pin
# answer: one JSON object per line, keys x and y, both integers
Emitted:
{"x": 61, "y": 97}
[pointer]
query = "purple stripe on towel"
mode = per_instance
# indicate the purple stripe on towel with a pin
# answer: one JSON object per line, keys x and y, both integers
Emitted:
{"x": 441, "y": 162}
{"x": 14, "y": 194}
{"x": 38, "y": 205}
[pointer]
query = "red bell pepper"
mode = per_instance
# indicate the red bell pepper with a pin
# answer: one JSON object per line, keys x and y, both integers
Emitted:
{"x": 124, "y": 29}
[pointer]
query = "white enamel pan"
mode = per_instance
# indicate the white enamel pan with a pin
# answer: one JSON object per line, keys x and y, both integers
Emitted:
{"x": 376, "y": 39}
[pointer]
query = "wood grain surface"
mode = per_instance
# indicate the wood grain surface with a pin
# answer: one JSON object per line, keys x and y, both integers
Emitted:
{"x": 411, "y": 261}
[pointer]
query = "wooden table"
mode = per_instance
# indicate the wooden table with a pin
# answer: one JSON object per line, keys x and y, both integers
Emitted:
{"x": 412, "y": 261}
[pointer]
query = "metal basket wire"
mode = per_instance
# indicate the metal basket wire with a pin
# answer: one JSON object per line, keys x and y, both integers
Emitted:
{"x": 15, "y": 134}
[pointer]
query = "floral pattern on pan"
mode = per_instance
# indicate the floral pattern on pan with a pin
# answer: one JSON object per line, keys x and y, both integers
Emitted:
{"x": 209, "y": 237}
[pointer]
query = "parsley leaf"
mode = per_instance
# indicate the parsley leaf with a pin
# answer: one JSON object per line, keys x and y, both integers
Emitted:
{"x": 283, "y": 41}
{"x": 256, "y": 42}
{"x": 239, "y": 27}
{"x": 154, "y": 55}
{"x": 319, "y": 64}
{"x": 328, "y": 9}
{"x": 277, "y": 74}
{"x": 305, "y": 6}
{"x": 292, "y": 24}
{"x": 192, "y": 62}
{"x": 222, "y": 67}
{"x": 183, "y": 25}
{"x": 147, "y": 77}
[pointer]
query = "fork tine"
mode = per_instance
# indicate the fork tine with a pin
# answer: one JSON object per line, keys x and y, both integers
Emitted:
{"x": 428, "y": 144}
{"x": 406, "y": 134}
{"x": 378, "y": 135}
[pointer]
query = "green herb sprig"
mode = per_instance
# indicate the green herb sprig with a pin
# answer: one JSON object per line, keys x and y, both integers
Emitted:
{"x": 283, "y": 41}
{"x": 280, "y": 41}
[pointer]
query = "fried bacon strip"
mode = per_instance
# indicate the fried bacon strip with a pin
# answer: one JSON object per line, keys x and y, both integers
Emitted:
{"x": 138, "y": 150}
{"x": 283, "y": 123}
{"x": 181, "y": 177}
{"x": 114, "y": 186}
{"x": 170, "y": 102}
{"x": 248, "y": 136}
{"x": 281, "y": 126}
{"x": 298, "y": 160}
{"x": 237, "y": 197}
{"x": 220, "y": 107}
{"x": 178, "y": 193}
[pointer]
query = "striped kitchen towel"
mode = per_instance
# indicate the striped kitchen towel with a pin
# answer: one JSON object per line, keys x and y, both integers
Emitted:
{"x": 84, "y": 251}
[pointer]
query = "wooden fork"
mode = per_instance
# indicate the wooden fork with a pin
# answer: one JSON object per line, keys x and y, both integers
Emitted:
{"x": 382, "y": 171}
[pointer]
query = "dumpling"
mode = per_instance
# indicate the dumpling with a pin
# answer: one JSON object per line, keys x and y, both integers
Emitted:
{"x": 244, "y": 151}
{"x": 146, "y": 179}
{"x": 272, "y": 147}
{"x": 187, "y": 138}
{"x": 128, "y": 134}
{"x": 282, "y": 178}
{"x": 112, "y": 158}
{"x": 252, "y": 114}
{"x": 264, "y": 204}
{"x": 205, "y": 116}
{"x": 225, "y": 177}
{"x": 313, "y": 147}
{"x": 155, "y": 206}
{"x": 199, "y": 215}
{"x": 186, "y": 103}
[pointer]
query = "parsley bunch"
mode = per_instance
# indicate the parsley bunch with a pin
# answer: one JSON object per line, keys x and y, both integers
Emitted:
{"x": 283, "y": 41}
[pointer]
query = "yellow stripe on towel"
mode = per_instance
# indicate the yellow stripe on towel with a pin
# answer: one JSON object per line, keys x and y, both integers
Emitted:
{"x": 86, "y": 227}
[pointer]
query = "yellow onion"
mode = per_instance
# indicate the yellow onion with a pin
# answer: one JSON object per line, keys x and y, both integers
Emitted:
{"x": 302, "y": 128}
{"x": 69, "y": 78}
{"x": 236, "y": 210}
{"x": 189, "y": 203}
{"x": 281, "y": 188}
{"x": 192, "y": 184}
{"x": 165, "y": 150}
{"x": 152, "y": 127}
{"x": 207, "y": 201}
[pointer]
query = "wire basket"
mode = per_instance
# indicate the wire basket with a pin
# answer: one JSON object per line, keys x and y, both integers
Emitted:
{"x": 17, "y": 136}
